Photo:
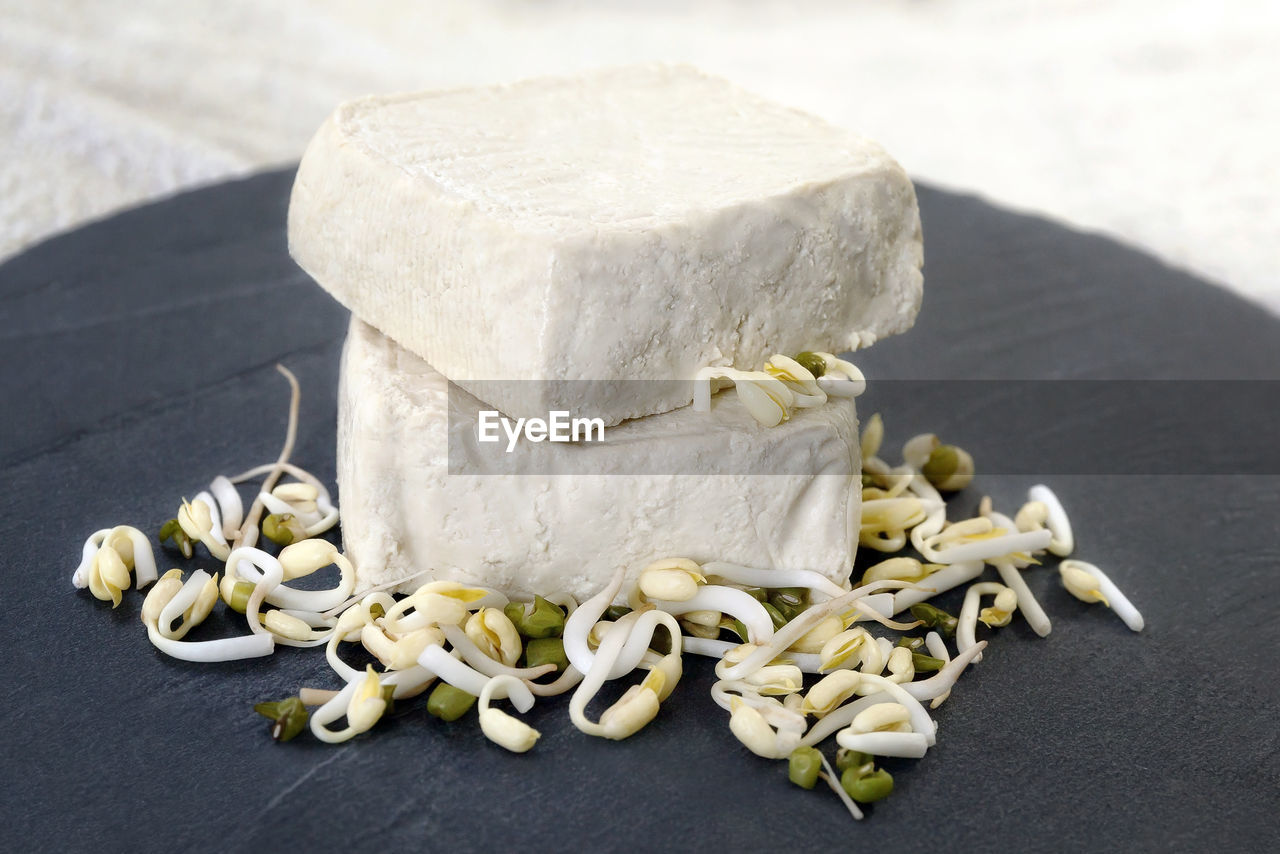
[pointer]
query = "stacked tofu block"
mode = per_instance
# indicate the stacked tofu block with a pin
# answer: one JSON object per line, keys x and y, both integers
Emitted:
{"x": 586, "y": 245}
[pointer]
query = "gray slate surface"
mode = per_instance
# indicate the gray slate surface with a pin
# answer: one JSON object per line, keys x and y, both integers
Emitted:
{"x": 138, "y": 359}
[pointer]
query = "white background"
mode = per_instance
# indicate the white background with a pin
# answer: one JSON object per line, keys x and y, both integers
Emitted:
{"x": 1157, "y": 122}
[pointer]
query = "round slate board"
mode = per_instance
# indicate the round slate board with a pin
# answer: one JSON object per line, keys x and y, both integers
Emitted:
{"x": 139, "y": 354}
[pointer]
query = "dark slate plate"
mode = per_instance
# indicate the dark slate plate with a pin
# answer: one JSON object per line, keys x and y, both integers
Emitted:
{"x": 138, "y": 357}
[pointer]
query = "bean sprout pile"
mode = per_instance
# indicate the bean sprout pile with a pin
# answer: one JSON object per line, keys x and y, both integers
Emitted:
{"x": 773, "y": 394}
{"x": 800, "y": 659}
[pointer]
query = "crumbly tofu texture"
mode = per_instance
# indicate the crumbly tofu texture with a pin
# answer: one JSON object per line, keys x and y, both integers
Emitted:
{"x": 404, "y": 513}
{"x": 635, "y": 223}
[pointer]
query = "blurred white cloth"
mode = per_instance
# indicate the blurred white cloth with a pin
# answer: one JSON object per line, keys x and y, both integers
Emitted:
{"x": 1155, "y": 121}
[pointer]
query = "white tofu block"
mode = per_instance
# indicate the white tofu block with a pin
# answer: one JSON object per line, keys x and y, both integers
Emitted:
{"x": 636, "y": 223}
{"x": 403, "y": 512}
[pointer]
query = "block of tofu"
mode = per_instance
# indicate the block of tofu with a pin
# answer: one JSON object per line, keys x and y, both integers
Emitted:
{"x": 404, "y": 512}
{"x": 636, "y": 223}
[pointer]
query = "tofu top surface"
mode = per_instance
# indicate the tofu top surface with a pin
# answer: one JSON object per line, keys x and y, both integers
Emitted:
{"x": 616, "y": 149}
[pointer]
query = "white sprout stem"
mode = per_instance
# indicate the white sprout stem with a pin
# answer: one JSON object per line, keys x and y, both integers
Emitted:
{"x": 498, "y": 726}
{"x": 316, "y": 696}
{"x": 941, "y": 581}
{"x": 319, "y": 623}
{"x": 1027, "y": 602}
{"x": 798, "y": 628}
{"x": 377, "y": 588}
{"x": 871, "y": 608}
{"x": 371, "y": 598}
{"x": 476, "y": 658}
{"x": 900, "y": 479}
{"x": 720, "y": 694}
{"x": 766, "y": 397}
{"x": 779, "y": 716}
{"x": 225, "y": 649}
{"x": 248, "y": 533}
{"x": 405, "y": 683}
{"x": 774, "y": 578}
{"x": 889, "y": 504}
{"x": 318, "y": 601}
{"x": 396, "y": 617}
{"x": 880, "y": 603}
{"x": 811, "y": 662}
{"x": 281, "y": 507}
{"x": 323, "y": 500}
{"x": 327, "y": 521}
{"x": 871, "y": 464}
{"x": 564, "y": 683}
{"x": 920, "y": 720}
{"x": 394, "y": 622}
{"x": 727, "y": 600}
{"x": 598, "y": 673}
{"x": 937, "y": 517}
{"x": 967, "y": 622}
{"x": 451, "y": 670}
{"x": 577, "y": 626}
{"x": 339, "y": 666}
{"x": 637, "y": 645}
{"x": 842, "y": 387}
{"x": 409, "y": 682}
{"x": 177, "y": 606}
{"x": 1000, "y": 520}
{"x": 282, "y": 595}
{"x": 269, "y": 574}
{"x": 1026, "y": 541}
{"x": 783, "y": 638}
{"x": 840, "y": 718}
{"x": 834, "y": 782}
{"x": 229, "y": 505}
{"x": 945, "y": 679}
{"x": 937, "y": 646}
{"x": 1063, "y": 541}
{"x": 702, "y": 388}
{"x": 331, "y": 711}
{"x": 885, "y": 544}
{"x": 354, "y": 634}
{"x": 509, "y": 688}
{"x": 789, "y": 723}
{"x": 909, "y": 745}
{"x": 80, "y": 578}
{"x": 918, "y": 536}
{"x": 710, "y": 647}
{"x": 1119, "y": 602}
{"x": 289, "y": 469}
